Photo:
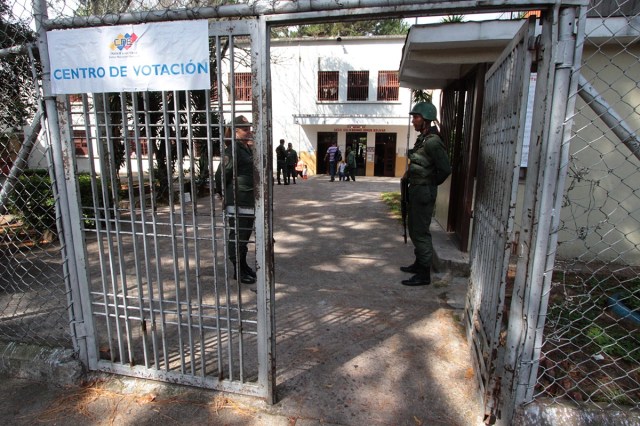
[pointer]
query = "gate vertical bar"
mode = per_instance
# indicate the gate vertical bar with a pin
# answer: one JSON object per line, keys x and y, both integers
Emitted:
{"x": 264, "y": 233}
{"x": 153, "y": 303}
{"x": 146, "y": 269}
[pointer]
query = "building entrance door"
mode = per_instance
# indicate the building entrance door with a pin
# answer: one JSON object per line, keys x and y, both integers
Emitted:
{"x": 385, "y": 155}
{"x": 325, "y": 140}
{"x": 358, "y": 143}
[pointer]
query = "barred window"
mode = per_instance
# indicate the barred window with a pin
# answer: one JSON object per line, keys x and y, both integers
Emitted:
{"x": 358, "y": 86}
{"x": 144, "y": 146}
{"x": 80, "y": 142}
{"x": 328, "y": 85}
{"x": 388, "y": 85}
{"x": 243, "y": 86}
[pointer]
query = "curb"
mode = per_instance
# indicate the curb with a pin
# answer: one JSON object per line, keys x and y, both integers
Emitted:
{"x": 53, "y": 365}
{"x": 545, "y": 413}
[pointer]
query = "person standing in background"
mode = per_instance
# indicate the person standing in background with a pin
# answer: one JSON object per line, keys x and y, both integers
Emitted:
{"x": 342, "y": 166}
{"x": 351, "y": 164}
{"x": 291, "y": 162}
{"x": 331, "y": 156}
{"x": 300, "y": 167}
{"x": 281, "y": 160}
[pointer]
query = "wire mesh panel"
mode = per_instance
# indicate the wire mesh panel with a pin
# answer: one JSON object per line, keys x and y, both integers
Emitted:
{"x": 591, "y": 349}
{"x": 33, "y": 296}
{"x": 498, "y": 173}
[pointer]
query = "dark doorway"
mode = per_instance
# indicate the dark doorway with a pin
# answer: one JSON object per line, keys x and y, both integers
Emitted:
{"x": 461, "y": 125}
{"x": 325, "y": 139}
{"x": 358, "y": 143}
{"x": 385, "y": 155}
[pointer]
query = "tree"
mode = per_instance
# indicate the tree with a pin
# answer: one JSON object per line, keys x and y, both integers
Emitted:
{"x": 17, "y": 91}
{"x": 453, "y": 19}
{"x": 18, "y": 97}
{"x": 422, "y": 96}
{"x": 357, "y": 28}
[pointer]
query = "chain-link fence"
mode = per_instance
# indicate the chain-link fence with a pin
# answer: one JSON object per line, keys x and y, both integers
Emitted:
{"x": 33, "y": 297}
{"x": 591, "y": 351}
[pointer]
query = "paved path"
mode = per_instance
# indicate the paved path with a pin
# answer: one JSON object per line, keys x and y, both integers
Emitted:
{"x": 354, "y": 347}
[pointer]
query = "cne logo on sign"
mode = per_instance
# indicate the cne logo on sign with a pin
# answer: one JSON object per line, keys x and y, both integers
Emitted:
{"x": 124, "y": 41}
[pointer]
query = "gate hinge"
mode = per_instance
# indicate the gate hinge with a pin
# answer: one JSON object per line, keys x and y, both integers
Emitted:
{"x": 79, "y": 329}
{"x": 564, "y": 54}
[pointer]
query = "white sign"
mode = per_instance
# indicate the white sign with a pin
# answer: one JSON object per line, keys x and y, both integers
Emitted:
{"x": 129, "y": 58}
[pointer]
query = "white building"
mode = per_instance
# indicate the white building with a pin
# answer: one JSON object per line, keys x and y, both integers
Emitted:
{"x": 346, "y": 90}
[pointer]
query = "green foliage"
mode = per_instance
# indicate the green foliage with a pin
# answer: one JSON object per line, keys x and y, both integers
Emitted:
{"x": 421, "y": 96}
{"x": 17, "y": 90}
{"x": 630, "y": 296}
{"x": 453, "y": 19}
{"x": 586, "y": 321}
{"x": 616, "y": 342}
{"x": 349, "y": 29}
{"x": 86, "y": 198}
{"x": 33, "y": 201}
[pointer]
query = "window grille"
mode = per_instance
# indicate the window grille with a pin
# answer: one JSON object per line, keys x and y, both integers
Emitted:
{"x": 358, "y": 86}
{"x": 328, "y": 85}
{"x": 388, "y": 85}
{"x": 80, "y": 142}
{"x": 243, "y": 86}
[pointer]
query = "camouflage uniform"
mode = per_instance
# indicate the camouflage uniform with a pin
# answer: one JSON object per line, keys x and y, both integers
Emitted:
{"x": 428, "y": 168}
{"x": 245, "y": 199}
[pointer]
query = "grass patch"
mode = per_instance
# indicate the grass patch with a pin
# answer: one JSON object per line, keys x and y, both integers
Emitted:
{"x": 392, "y": 199}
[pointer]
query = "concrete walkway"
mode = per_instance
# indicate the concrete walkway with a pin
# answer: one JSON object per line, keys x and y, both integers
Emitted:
{"x": 354, "y": 347}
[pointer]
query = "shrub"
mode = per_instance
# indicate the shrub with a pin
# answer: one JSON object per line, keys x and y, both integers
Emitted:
{"x": 33, "y": 201}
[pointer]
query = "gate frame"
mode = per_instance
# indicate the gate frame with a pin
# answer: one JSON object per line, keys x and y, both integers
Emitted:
{"x": 516, "y": 350}
{"x": 75, "y": 254}
{"x": 487, "y": 295}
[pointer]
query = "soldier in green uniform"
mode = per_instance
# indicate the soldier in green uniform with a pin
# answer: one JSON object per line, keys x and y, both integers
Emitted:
{"x": 428, "y": 167}
{"x": 238, "y": 196}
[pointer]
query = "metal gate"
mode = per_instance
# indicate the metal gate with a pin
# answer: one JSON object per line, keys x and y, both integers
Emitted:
{"x": 506, "y": 91}
{"x": 509, "y": 285}
{"x": 158, "y": 296}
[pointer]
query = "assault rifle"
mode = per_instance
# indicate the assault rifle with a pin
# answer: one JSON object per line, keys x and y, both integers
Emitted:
{"x": 404, "y": 204}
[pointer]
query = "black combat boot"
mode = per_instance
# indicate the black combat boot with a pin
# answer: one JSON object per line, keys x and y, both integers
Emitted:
{"x": 412, "y": 269}
{"x": 422, "y": 277}
{"x": 245, "y": 278}
{"x": 246, "y": 269}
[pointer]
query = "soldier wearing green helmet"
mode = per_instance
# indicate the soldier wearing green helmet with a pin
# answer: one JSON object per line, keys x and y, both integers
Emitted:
{"x": 428, "y": 167}
{"x": 234, "y": 183}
